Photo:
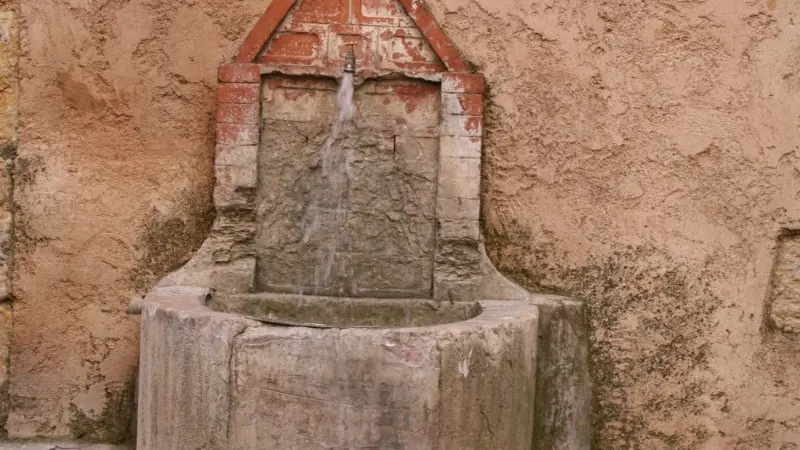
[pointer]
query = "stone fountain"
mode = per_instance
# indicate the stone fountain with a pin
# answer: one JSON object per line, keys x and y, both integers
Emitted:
{"x": 344, "y": 298}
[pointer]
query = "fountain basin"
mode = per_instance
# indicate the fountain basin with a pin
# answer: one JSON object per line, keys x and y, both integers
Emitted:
{"x": 463, "y": 379}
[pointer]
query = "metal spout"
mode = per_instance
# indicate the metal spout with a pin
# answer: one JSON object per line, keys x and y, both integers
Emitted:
{"x": 350, "y": 60}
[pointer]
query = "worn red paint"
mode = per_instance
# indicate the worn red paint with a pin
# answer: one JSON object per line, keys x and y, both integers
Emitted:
{"x": 237, "y": 134}
{"x": 263, "y": 30}
{"x": 466, "y": 83}
{"x": 323, "y": 11}
{"x": 238, "y": 93}
{"x": 474, "y": 124}
{"x": 241, "y": 113}
{"x": 413, "y": 95}
{"x": 299, "y": 44}
{"x": 240, "y": 73}
{"x": 471, "y": 104}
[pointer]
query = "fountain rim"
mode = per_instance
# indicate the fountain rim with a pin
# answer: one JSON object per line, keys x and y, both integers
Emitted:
{"x": 192, "y": 303}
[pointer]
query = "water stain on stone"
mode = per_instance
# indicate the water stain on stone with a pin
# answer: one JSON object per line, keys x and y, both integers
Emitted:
{"x": 772, "y": 4}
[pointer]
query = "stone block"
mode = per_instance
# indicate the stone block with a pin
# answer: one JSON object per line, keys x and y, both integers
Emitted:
{"x": 5, "y": 347}
{"x": 417, "y": 154}
{"x": 458, "y": 208}
{"x": 237, "y": 177}
{"x": 461, "y": 147}
{"x": 228, "y": 197}
{"x": 184, "y": 381}
{"x": 452, "y": 187}
{"x": 56, "y": 445}
{"x": 240, "y": 73}
{"x": 785, "y": 292}
{"x": 463, "y": 385}
{"x": 232, "y": 237}
{"x": 467, "y": 126}
{"x": 563, "y": 385}
{"x": 479, "y": 388}
{"x": 462, "y": 104}
{"x": 356, "y": 390}
{"x": 237, "y": 155}
{"x": 237, "y": 276}
{"x": 374, "y": 276}
{"x": 456, "y": 230}
{"x": 237, "y": 134}
{"x": 238, "y": 93}
{"x": 241, "y": 113}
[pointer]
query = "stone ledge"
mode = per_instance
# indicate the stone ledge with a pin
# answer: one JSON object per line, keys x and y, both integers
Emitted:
{"x": 61, "y": 446}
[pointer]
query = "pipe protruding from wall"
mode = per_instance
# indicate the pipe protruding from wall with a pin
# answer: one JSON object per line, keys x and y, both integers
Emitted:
{"x": 350, "y": 60}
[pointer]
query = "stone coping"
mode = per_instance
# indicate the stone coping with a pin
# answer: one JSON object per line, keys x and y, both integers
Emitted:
{"x": 194, "y": 301}
{"x": 55, "y": 445}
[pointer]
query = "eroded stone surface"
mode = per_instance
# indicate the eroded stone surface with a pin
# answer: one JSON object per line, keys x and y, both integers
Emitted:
{"x": 5, "y": 328}
{"x": 785, "y": 308}
{"x": 465, "y": 385}
{"x": 184, "y": 374}
{"x": 360, "y": 219}
{"x": 60, "y": 446}
{"x": 298, "y": 389}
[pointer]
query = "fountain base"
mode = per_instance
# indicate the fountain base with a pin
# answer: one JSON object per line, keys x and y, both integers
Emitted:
{"x": 217, "y": 380}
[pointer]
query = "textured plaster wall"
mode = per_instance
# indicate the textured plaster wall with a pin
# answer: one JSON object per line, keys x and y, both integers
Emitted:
{"x": 640, "y": 154}
{"x": 644, "y": 155}
{"x": 9, "y": 52}
{"x": 112, "y": 190}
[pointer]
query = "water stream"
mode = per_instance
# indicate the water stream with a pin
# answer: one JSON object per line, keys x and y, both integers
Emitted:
{"x": 328, "y": 201}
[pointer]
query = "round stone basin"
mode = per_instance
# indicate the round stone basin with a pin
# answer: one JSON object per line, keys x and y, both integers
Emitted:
{"x": 266, "y": 371}
{"x": 332, "y": 312}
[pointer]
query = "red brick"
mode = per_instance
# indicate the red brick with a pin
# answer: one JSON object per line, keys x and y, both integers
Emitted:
{"x": 240, "y": 73}
{"x": 242, "y": 113}
{"x": 263, "y": 30}
{"x": 471, "y": 104}
{"x": 237, "y": 134}
{"x": 294, "y": 48}
{"x": 441, "y": 44}
{"x": 323, "y": 11}
{"x": 238, "y": 93}
{"x": 464, "y": 83}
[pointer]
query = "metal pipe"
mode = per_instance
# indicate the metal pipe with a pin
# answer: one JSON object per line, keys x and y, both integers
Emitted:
{"x": 350, "y": 60}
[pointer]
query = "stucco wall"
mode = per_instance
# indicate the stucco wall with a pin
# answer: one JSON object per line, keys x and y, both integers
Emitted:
{"x": 639, "y": 154}
{"x": 9, "y": 53}
{"x": 644, "y": 155}
{"x": 113, "y": 190}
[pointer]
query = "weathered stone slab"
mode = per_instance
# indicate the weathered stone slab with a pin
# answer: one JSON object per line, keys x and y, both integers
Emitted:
{"x": 357, "y": 218}
{"x": 488, "y": 381}
{"x": 563, "y": 385}
{"x": 785, "y": 295}
{"x": 184, "y": 372}
{"x": 54, "y": 445}
{"x": 5, "y": 346}
{"x": 218, "y": 381}
{"x": 298, "y": 389}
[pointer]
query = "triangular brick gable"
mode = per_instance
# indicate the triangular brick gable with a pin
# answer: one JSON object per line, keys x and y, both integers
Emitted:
{"x": 388, "y": 35}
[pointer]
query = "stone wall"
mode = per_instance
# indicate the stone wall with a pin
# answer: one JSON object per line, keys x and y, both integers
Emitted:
{"x": 640, "y": 154}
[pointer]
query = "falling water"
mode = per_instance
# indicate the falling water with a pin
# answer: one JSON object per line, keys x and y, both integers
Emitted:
{"x": 328, "y": 199}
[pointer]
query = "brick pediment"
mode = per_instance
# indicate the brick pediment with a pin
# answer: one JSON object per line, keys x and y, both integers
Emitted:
{"x": 387, "y": 35}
